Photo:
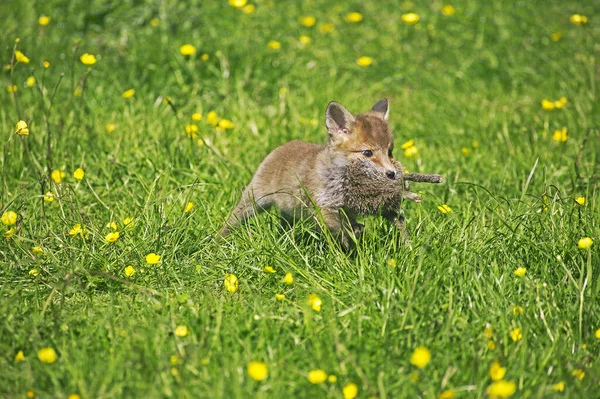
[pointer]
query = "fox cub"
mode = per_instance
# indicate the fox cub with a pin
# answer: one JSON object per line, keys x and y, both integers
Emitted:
{"x": 343, "y": 179}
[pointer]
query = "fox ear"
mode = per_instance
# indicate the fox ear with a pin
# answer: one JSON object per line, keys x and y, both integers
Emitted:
{"x": 338, "y": 119}
{"x": 382, "y": 109}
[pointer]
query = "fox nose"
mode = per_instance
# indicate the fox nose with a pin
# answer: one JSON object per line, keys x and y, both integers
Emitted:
{"x": 391, "y": 174}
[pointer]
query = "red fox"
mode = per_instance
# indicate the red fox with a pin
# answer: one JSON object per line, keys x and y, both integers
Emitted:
{"x": 354, "y": 174}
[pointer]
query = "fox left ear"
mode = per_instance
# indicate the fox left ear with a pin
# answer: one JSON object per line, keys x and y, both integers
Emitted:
{"x": 382, "y": 109}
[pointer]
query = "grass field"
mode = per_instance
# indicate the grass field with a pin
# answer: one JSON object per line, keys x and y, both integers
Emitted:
{"x": 471, "y": 84}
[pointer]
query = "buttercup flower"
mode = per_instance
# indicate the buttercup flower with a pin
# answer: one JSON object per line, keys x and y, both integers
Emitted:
{"x": 315, "y": 302}
{"x": 501, "y": 389}
{"x": 580, "y": 200}
{"x": 238, "y": 3}
{"x": 19, "y": 357}
{"x": 204, "y": 57}
{"x": 578, "y": 19}
{"x": 74, "y": 396}
{"x": 585, "y": 243}
{"x": 304, "y": 40}
{"x": 579, "y": 374}
{"x": 129, "y": 271}
{"x": 37, "y": 250}
{"x": 225, "y": 124}
{"x": 110, "y": 127}
{"x": 211, "y": 118}
{"x": 331, "y": 379}
{"x": 192, "y": 130}
{"x": 34, "y": 272}
{"x": 128, "y": 93}
{"x": 364, "y": 61}
{"x": 597, "y": 334}
{"x": 187, "y": 49}
{"x": 560, "y": 103}
{"x": 288, "y": 279}
{"x": 420, "y": 357}
{"x": 152, "y": 258}
{"x": 516, "y": 334}
{"x": 20, "y": 57}
{"x": 46, "y": 64}
{"x": 517, "y": 310}
{"x": 556, "y": 36}
{"x": 411, "y": 18}
{"x": 182, "y": 331}
{"x": 88, "y": 59}
{"x": 258, "y": 371}
{"x": 57, "y": 176}
{"x": 49, "y": 196}
{"x": 448, "y": 10}
{"x": 317, "y": 376}
{"x": 350, "y": 390}
{"x": 112, "y": 236}
{"x": 326, "y": 28}
{"x": 354, "y": 17}
{"x": 127, "y": 221}
{"x": 111, "y": 225}
{"x": 547, "y": 104}
{"x": 491, "y": 345}
{"x": 560, "y": 135}
{"x": 30, "y": 81}
{"x": 558, "y": 387}
{"x": 155, "y": 22}
{"x": 231, "y": 282}
{"x": 12, "y": 89}
{"x": 44, "y": 20}
{"x": 78, "y": 174}
{"x": 307, "y": 21}
{"x": 274, "y": 45}
{"x": 445, "y": 209}
{"x": 196, "y": 116}
{"x": 22, "y": 129}
{"x": 10, "y": 232}
{"x": 497, "y": 372}
{"x": 189, "y": 206}
{"x": 279, "y": 297}
{"x": 47, "y": 355}
{"x": 269, "y": 269}
{"x": 520, "y": 272}
{"x": 75, "y": 230}
{"x": 9, "y": 217}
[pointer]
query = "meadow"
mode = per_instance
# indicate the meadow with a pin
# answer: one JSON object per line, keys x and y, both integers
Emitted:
{"x": 130, "y": 128}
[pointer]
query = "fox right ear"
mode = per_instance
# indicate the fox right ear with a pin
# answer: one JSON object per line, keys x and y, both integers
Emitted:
{"x": 338, "y": 119}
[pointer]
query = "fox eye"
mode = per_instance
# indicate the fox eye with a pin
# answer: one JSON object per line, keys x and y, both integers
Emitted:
{"x": 367, "y": 153}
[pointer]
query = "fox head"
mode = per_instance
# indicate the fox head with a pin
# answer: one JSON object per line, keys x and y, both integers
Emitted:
{"x": 364, "y": 137}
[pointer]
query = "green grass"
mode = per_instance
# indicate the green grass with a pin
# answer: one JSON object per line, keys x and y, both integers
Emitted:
{"x": 479, "y": 75}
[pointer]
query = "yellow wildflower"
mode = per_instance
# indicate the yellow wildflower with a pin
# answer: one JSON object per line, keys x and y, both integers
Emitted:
{"x": 57, "y": 176}
{"x": 547, "y": 104}
{"x": 269, "y": 269}
{"x": 448, "y": 10}
{"x": 420, "y": 357}
{"x": 410, "y": 151}
{"x": 47, "y": 355}
{"x": 447, "y": 394}
{"x": 46, "y": 64}
{"x": 354, "y": 17}
{"x": 560, "y": 103}
{"x": 34, "y": 272}
{"x": 488, "y": 332}
{"x": 78, "y": 174}
{"x": 129, "y": 271}
{"x": 127, "y": 221}
{"x": 19, "y": 357}
{"x": 37, "y": 250}
{"x": 189, "y": 206}
{"x": 211, "y": 118}
{"x": 128, "y": 93}
{"x": 9, "y": 217}
{"x": 560, "y": 135}
{"x": 520, "y": 272}
{"x": 238, "y": 3}
{"x": 497, "y": 372}
{"x": 30, "y": 394}
{"x": 578, "y": 19}
{"x": 411, "y": 18}
{"x": 111, "y": 225}
{"x": 501, "y": 389}
{"x": 491, "y": 345}
{"x": 304, "y": 40}
{"x": 204, "y": 57}
{"x": 225, "y": 124}
{"x": 249, "y": 9}
{"x": 192, "y": 130}
{"x": 110, "y": 127}
{"x": 556, "y": 36}
{"x": 558, "y": 387}
{"x": 187, "y": 49}
{"x": 76, "y": 229}
{"x": 22, "y": 128}
{"x": 391, "y": 262}
{"x": 152, "y": 258}
{"x": 516, "y": 334}
{"x": 364, "y": 61}
{"x": 274, "y": 45}
{"x": 12, "y": 89}
{"x": 332, "y": 379}
{"x": 315, "y": 302}
{"x": 517, "y": 310}
{"x": 317, "y": 376}
{"x": 155, "y": 22}
{"x": 196, "y": 116}
{"x": 585, "y": 243}
{"x": 288, "y": 279}
{"x": 20, "y": 57}
{"x": 231, "y": 282}
{"x": 465, "y": 151}
{"x": 74, "y": 396}
{"x": 30, "y": 81}
{"x": 326, "y": 28}
{"x": 579, "y": 374}
{"x": 10, "y": 232}
{"x": 308, "y": 21}
{"x": 280, "y": 297}
{"x": 580, "y": 200}
{"x": 350, "y": 390}
{"x": 258, "y": 371}
{"x": 597, "y": 334}
{"x": 112, "y": 236}
{"x": 49, "y": 196}
{"x": 182, "y": 331}
{"x": 445, "y": 209}
{"x": 44, "y": 20}
{"x": 88, "y": 59}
